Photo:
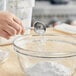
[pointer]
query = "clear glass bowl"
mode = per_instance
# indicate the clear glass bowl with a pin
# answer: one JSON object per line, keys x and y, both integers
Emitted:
{"x": 40, "y": 52}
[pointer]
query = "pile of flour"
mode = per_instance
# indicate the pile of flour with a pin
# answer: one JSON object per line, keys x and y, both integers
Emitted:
{"x": 48, "y": 69}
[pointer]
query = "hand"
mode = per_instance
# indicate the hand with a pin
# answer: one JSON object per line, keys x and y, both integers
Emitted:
{"x": 10, "y": 25}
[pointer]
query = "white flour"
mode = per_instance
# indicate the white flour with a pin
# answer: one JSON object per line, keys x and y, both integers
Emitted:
{"x": 48, "y": 69}
{"x": 3, "y": 55}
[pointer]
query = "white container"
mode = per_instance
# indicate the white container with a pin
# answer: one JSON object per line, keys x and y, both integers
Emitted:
{"x": 22, "y": 9}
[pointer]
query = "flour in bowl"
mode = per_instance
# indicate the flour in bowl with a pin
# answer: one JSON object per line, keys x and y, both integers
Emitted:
{"x": 48, "y": 69}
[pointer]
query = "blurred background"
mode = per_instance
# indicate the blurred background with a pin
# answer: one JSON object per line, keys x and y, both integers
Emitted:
{"x": 46, "y": 10}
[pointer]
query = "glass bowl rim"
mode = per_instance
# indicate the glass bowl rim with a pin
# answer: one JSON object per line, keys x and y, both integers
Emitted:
{"x": 64, "y": 55}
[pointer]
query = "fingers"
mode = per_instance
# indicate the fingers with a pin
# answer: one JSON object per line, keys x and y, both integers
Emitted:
{"x": 19, "y": 22}
{"x": 10, "y": 30}
{"x": 16, "y": 26}
{"x": 4, "y": 34}
{"x": 10, "y": 25}
{"x": 7, "y": 31}
{"x": 23, "y": 31}
{"x": 19, "y": 28}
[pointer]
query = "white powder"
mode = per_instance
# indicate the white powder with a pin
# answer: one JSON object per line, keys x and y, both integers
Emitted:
{"x": 3, "y": 55}
{"x": 48, "y": 69}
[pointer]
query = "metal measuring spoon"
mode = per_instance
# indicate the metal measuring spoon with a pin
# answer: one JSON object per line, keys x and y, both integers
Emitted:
{"x": 39, "y": 28}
